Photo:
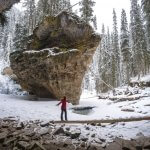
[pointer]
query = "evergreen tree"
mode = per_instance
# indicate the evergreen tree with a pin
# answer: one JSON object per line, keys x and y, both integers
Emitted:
{"x": 95, "y": 22}
{"x": 30, "y": 15}
{"x": 125, "y": 48}
{"x": 139, "y": 46}
{"x": 87, "y": 10}
{"x": 116, "y": 52}
{"x": 104, "y": 66}
{"x": 146, "y": 11}
{"x": 109, "y": 57}
{"x": 51, "y": 8}
{"x": 20, "y": 39}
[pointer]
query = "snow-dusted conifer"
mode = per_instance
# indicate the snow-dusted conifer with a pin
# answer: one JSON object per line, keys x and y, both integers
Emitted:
{"x": 20, "y": 38}
{"x": 146, "y": 11}
{"x": 95, "y": 22}
{"x": 51, "y": 8}
{"x": 30, "y": 15}
{"x": 125, "y": 48}
{"x": 139, "y": 46}
{"x": 87, "y": 10}
{"x": 116, "y": 51}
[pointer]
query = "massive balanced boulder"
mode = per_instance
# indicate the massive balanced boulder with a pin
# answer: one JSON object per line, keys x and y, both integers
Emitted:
{"x": 57, "y": 57}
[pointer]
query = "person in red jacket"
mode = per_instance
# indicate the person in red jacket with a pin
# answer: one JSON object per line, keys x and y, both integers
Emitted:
{"x": 63, "y": 103}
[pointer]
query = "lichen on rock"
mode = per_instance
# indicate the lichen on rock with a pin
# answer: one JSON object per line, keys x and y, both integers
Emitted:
{"x": 57, "y": 57}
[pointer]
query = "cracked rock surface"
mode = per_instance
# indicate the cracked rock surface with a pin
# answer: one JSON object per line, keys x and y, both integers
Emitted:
{"x": 58, "y": 55}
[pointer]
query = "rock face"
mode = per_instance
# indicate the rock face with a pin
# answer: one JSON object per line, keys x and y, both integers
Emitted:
{"x": 6, "y": 4}
{"x": 57, "y": 57}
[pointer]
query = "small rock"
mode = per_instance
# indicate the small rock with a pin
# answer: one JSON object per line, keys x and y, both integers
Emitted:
{"x": 94, "y": 146}
{"x": 68, "y": 128}
{"x": 98, "y": 141}
{"x": 103, "y": 140}
{"x": 128, "y": 109}
{"x": 83, "y": 144}
{"x": 75, "y": 134}
{"x": 102, "y": 125}
{"x": 3, "y": 135}
{"x": 43, "y": 131}
{"x": 37, "y": 145}
{"x": 9, "y": 141}
{"x": 114, "y": 146}
{"x": 83, "y": 138}
{"x": 59, "y": 131}
{"x": 98, "y": 124}
{"x": 127, "y": 144}
{"x": 29, "y": 133}
{"x": 93, "y": 124}
{"x": 87, "y": 128}
{"x": 103, "y": 145}
{"x": 44, "y": 124}
{"x": 68, "y": 141}
{"x": 139, "y": 111}
{"x": 25, "y": 138}
{"x": 67, "y": 133}
{"x": 5, "y": 125}
{"x": 123, "y": 124}
{"x": 139, "y": 148}
{"x": 93, "y": 135}
{"x": 20, "y": 126}
{"x": 23, "y": 145}
{"x": 11, "y": 118}
{"x": 144, "y": 112}
{"x": 16, "y": 133}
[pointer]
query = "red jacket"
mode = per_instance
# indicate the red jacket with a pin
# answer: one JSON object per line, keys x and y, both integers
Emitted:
{"x": 63, "y": 104}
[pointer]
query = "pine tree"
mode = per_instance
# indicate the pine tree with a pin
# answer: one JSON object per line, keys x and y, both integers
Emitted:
{"x": 139, "y": 46}
{"x": 104, "y": 66}
{"x": 20, "y": 39}
{"x": 87, "y": 10}
{"x": 125, "y": 48}
{"x": 146, "y": 11}
{"x": 116, "y": 52}
{"x": 109, "y": 56}
{"x": 51, "y": 8}
{"x": 30, "y": 15}
{"x": 95, "y": 22}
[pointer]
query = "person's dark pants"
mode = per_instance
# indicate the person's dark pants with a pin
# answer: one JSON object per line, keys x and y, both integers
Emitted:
{"x": 62, "y": 112}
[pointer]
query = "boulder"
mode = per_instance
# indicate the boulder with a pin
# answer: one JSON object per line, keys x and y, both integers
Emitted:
{"x": 57, "y": 57}
{"x": 9, "y": 72}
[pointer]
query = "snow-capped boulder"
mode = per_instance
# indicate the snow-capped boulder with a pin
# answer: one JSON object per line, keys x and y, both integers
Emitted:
{"x": 58, "y": 55}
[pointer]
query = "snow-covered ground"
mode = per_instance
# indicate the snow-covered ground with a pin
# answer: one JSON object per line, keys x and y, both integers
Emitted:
{"x": 145, "y": 78}
{"x": 26, "y": 108}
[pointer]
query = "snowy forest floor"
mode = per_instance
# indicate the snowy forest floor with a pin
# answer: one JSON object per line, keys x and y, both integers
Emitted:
{"x": 25, "y": 108}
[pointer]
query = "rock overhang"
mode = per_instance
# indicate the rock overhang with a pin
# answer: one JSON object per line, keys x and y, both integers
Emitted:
{"x": 57, "y": 57}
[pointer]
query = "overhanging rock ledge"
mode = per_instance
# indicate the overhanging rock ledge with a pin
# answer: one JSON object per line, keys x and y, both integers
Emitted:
{"x": 58, "y": 55}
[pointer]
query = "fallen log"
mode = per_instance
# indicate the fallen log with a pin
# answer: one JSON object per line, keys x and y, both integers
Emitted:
{"x": 103, "y": 120}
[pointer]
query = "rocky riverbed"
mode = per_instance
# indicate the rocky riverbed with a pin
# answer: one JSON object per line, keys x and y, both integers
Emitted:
{"x": 38, "y": 135}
